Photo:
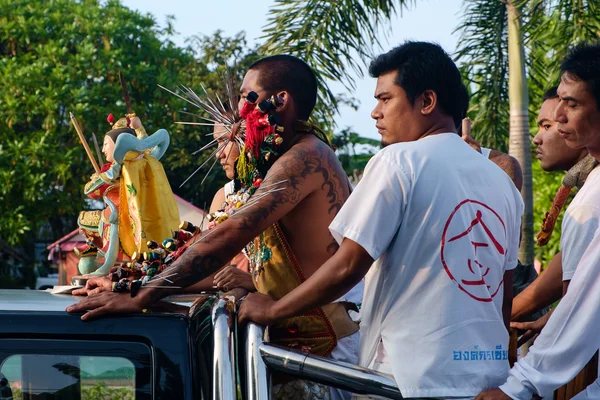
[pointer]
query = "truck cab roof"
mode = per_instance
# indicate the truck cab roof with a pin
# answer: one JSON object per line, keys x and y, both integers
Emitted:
{"x": 147, "y": 355}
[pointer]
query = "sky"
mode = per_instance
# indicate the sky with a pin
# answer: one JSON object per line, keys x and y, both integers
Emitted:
{"x": 430, "y": 20}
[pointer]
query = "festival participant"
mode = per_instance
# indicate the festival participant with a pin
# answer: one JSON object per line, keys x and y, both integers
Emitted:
{"x": 128, "y": 184}
{"x": 299, "y": 187}
{"x": 442, "y": 224}
{"x": 566, "y": 342}
{"x": 554, "y": 155}
{"x": 235, "y": 274}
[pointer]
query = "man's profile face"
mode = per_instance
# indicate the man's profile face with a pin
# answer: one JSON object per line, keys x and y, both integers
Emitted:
{"x": 250, "y": 84}
{"x": 552, "y": 151}
{"x": 577, "y": 114}
{"x": 397, "y": 119}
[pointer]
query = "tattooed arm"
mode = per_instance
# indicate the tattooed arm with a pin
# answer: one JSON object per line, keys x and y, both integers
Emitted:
{"x": 298, "y": 173}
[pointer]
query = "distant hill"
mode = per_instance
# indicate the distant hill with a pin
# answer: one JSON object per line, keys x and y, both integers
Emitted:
{"x": 119, "y": 373}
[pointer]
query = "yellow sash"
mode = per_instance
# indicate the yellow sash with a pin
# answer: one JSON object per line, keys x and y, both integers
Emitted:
{"x": 276, "y": 272}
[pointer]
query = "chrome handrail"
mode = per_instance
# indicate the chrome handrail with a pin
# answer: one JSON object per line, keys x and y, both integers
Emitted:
{"x": 329, "y": 372}
{"x": 258, "y": 378}
{"x": 224, "y": 378}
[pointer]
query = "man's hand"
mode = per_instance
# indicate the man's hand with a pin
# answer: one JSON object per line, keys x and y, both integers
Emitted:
{"x": 230, "y": 277}
{"x": 471, "y": 142}
{"x": 258, "y": 308}
{"x": 107, "y": 303}
{"x": 94, "y": 286}
{"x": 494, "y": 394}
{"x": 532, "y": 329}
{"x": 237, "y": 293}
{"x": 135, "y": 123}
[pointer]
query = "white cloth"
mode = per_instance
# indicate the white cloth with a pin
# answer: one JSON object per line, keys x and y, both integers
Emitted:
{"x": 412, "y": 210}
{"x": 346, "y": 351}
{"x": 579, "y": 223}
{"x": 229, "y": 188}
{"x": 569, "y": 339}
{"x": 486, "y": 152}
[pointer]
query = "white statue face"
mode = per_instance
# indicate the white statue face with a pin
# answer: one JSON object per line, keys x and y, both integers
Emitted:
{"x": 108, "y": 148}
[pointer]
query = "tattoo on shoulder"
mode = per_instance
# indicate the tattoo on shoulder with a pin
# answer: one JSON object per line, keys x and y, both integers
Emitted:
{"x": 297, "y": 165}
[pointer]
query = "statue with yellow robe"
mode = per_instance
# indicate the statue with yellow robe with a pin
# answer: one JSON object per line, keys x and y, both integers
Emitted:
{"x": 139, "y": 203}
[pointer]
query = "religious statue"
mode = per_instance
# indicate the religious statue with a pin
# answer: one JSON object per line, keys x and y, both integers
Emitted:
{"x": 139, "y": 205}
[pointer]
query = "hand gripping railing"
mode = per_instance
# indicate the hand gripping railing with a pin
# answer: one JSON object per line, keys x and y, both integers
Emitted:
{"x": 224, "y": 382}
{"x": 313, "y": 368}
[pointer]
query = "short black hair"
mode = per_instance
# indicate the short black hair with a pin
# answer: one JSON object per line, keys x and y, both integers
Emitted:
{"x": 284, "y": 72}
{"x": 425, "y": 66}
{"x": 550, "y": 93}
{"x": 115, "y": 133}
{"x": 583, "y": 63}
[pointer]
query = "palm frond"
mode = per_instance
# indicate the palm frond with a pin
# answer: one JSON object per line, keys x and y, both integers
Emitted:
{"x": 334, "y": 37}
{"x": 483, "y": 51}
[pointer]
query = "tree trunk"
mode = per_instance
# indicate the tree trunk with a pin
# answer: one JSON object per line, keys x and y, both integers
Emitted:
{"x": 519, "y": 140}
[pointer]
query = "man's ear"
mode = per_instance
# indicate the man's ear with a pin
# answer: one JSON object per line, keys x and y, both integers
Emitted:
{"x": 283, "y": 101}
{"x": 428, "y": 102}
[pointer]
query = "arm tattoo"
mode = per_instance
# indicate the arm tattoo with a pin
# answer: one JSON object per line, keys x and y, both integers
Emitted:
{"x": 295, "y": 167}
{"x": 191, "y": 267}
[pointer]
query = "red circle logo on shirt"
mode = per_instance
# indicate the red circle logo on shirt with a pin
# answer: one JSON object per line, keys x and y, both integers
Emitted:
{"x": 473, "y": 249}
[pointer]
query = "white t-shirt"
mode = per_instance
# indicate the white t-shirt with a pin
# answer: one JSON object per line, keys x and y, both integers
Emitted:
{"x": 579, "y": 223}
{"x": 569, "y": 339}
{"x": 443, "y": 224}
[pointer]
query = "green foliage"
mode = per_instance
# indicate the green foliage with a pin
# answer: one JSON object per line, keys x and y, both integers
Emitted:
{"x": 100, "y": 391}
{"x": 60, "y": 56}
{"x": 549, "y": 29}
{"x": 354, "y": 151}
{"x": 483, "y": 52}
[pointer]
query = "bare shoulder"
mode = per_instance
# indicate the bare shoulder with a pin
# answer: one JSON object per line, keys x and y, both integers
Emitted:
{"x": 218, "y": 200}
{"x": 308, "y": 170}
{"x": 309, "y": 166}
{"x": 510, "y": 165}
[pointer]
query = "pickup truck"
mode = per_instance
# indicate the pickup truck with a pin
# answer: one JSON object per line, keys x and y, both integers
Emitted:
{"x": 187, "y": 347}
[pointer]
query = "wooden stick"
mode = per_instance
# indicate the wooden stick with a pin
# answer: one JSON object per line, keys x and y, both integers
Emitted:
{"x": 466, "y": 127}
{"x": 84, "y": 143}
{"x": 98, "y": 153}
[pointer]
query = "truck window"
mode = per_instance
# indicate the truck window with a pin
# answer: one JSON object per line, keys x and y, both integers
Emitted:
{"x": 69, "y": 377}
{"x": 70, "y": 369}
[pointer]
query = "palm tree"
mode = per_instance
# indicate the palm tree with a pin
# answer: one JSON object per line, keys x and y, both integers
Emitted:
{"x": 506, "y": 47}
{"x": 333, "y": 36}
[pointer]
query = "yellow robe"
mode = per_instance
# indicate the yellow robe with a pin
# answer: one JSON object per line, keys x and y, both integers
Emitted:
{"x": 148, "y": 208}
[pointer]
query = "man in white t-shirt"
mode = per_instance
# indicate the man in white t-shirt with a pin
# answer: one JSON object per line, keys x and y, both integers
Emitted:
{"x": 565, "y": 345}
{"x": 443, "y": 224}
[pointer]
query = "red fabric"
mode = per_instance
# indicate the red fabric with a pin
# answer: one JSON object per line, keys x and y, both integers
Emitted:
{"x": 257, "y": 127}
